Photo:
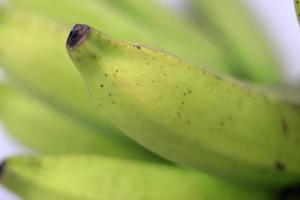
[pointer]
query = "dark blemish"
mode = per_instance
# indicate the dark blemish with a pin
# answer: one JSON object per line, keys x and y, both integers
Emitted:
{"x": 161, "y": 66}
{"x": 101, "y": 85}
{"x": 152, "y": 81}
{"x": 290, "y": 192}
{"x": 188, "y": 122}
{"x": 176, "y": 87}
{"x": 99, "y": 104}
{"x": 218, "y": 77}
{"x": 147, "y": 63}
{"x": 2, "y": 168}
{"x": 222, "y": 123}
{"x": 284, "y": 125}
{"x": 109, "y": 94}
{"x": 137, "y": 46}
{"x": 113, "y": 102}
{"x": 229, "y": 118}
{"x": 117, "y": 71}
{"x": 279, "y": 165}
{"x": 190, "y": 91}
{"x": 182, "y": 103}
{"x": 105, "y": 74}
{"x": 93, "y": 56}
{"x": 78, "y": 34}
{"x": 179, "y": 115}
{"x": 184, "y": 94}
{"x": 165, "y": 74}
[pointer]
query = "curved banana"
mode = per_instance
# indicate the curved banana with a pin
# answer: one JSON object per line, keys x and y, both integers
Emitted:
{"x": 187, "y": 114}
{"x": 229, "y": 23}
{"x": 45, "y": 129}
{"x": 91, "y": 177}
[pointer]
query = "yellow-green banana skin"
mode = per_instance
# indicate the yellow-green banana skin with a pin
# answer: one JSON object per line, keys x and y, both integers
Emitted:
{"x": 92, "y": 177}
{"x": 45, "y": 129}
{"x": 190, "y": 115}
{"x": 297, "y": 8}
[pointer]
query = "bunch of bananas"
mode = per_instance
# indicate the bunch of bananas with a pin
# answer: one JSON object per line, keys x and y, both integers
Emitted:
{"x": 183, "y": 119}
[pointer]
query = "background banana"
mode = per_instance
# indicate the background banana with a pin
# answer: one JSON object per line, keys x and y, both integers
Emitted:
{"x": 47, "y": 130}
{"x": 187, "y": 114}
{"x": 183, "y": 40}
{"x": 230, "y": 24}
{"x": 93, "y": 177}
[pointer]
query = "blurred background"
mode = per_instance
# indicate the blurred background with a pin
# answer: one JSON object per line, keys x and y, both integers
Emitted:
{"x": 276, "y": 18}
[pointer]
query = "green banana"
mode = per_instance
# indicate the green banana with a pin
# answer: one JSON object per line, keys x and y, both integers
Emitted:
{"x": 297, "y": 8}
{"x": 91, "y": 177}
{"x": 183, "y": 41}
{"x": 229, "y": 23}
{"x": 47, "y": 130}
{"x": 187, "y": 114}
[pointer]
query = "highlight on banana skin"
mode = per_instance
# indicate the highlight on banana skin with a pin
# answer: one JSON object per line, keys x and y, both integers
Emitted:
{"x": 132, "y": 99}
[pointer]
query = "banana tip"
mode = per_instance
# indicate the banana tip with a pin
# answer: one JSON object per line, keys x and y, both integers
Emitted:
{"x": 2, "y": 168}
{"x": 77, "y": 35}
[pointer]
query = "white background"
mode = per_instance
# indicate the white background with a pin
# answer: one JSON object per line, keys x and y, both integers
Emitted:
{"x": 277, "y": 18}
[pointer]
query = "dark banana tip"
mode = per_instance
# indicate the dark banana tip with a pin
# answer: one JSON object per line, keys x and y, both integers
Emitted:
{"x": 2, "y": 168}
{"x": 78, "y": 35}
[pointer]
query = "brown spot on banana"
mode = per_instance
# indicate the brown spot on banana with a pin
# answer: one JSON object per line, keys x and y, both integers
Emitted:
{"x": 279, "y": 165}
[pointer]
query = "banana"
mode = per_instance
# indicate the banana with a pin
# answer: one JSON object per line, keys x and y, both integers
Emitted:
{"x": 48, "y": 130}
{"x": 182, "y": 41}
{"x": 93, "y": 177}
{"x": 190, "y": 115}
{"x": 297, "y": 8}
{"x": 229, "y": 23}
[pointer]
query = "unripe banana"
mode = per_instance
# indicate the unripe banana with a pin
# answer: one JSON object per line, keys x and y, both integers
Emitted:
{"x": 91, "y": 177}
{"x": 230, "y": 24}
{"x": 187, "y": 114}
{"x": 47, "y": 130}
{"x": 184, "y": 41}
